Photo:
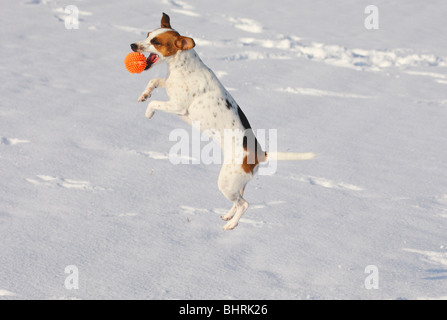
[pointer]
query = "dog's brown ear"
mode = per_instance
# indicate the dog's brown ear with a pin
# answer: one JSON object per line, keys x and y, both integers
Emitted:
{"x": 185, "y": 43}
{"x": 165, "y": 21}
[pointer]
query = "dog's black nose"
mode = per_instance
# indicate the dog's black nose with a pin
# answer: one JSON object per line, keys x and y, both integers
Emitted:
{"x": 134, "y": 46}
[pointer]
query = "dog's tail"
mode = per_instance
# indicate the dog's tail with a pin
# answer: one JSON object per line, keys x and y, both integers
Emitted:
{"x": 289, "y": 156}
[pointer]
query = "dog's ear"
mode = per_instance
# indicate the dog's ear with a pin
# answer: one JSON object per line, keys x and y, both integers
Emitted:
{"x": 185, "y": 43}
{"x": 165, "y": 21}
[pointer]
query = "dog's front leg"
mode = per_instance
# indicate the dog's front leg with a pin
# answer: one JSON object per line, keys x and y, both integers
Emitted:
{"x": 166, "y": 106}
{"x": 154, "y": 83}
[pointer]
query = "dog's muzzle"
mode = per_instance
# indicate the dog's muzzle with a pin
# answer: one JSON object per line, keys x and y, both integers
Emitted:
{"x": 150, "y": 60}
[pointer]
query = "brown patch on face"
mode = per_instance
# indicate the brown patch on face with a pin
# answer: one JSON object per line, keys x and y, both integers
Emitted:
{"x": 170, "y": 42}
{"x": 165, "y": 43}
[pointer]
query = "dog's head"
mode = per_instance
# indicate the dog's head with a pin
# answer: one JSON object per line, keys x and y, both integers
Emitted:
{"x": 162, "y": 43}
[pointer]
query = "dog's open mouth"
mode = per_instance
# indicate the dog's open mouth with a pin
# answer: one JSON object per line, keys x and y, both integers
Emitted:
{"x": 151, "y": 60}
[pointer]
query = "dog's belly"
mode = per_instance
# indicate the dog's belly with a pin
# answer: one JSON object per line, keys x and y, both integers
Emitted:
{"x": 213, "y": 116}
{"x": 218, "y": 122}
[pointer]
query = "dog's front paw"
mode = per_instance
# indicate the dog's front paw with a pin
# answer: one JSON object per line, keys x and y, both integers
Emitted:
{"x": 144, "y": 96}
{"x": 149, "y": 113}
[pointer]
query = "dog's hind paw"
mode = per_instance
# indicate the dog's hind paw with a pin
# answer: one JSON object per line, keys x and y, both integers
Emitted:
{"x": 229, "y": 214}
{"x": 230, "y": 225}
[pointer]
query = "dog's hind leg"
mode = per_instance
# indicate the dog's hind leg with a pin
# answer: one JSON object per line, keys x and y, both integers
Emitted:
{"x": 232, "y": 181}
{"x": 230, "y": 214}
{"x": 241, "y": 207}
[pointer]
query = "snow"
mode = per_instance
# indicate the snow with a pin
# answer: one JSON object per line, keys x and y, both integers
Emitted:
{"x": 86, "y": 179}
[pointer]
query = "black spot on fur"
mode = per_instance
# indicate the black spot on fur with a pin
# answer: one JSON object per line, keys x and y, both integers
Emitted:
{"x": 243, "y": 118}
{"x": 252, "y": 143}
{"x": 228, "y": 104}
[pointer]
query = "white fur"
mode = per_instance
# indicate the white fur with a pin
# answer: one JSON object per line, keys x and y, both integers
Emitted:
{"x": 292, "y": 156}
{"x": 196, "y": 94}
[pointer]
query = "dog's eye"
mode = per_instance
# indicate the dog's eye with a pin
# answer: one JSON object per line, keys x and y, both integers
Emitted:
{"x": 155, "y": 42}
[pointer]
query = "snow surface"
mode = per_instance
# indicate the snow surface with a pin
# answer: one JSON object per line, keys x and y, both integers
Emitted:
{"x": 86, "y": 180}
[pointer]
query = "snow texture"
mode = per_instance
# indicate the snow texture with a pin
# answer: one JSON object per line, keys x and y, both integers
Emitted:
{"x": 86, "y": 179}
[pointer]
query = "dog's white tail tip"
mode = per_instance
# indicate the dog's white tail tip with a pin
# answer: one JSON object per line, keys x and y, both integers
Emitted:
{"x": 291, "y": 156}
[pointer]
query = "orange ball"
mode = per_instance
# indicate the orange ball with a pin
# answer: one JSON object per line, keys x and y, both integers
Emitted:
{"x": 135, "y": 62}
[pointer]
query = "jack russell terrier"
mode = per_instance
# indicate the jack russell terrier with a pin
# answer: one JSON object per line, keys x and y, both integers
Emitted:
{"x": 197, "y": 96}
